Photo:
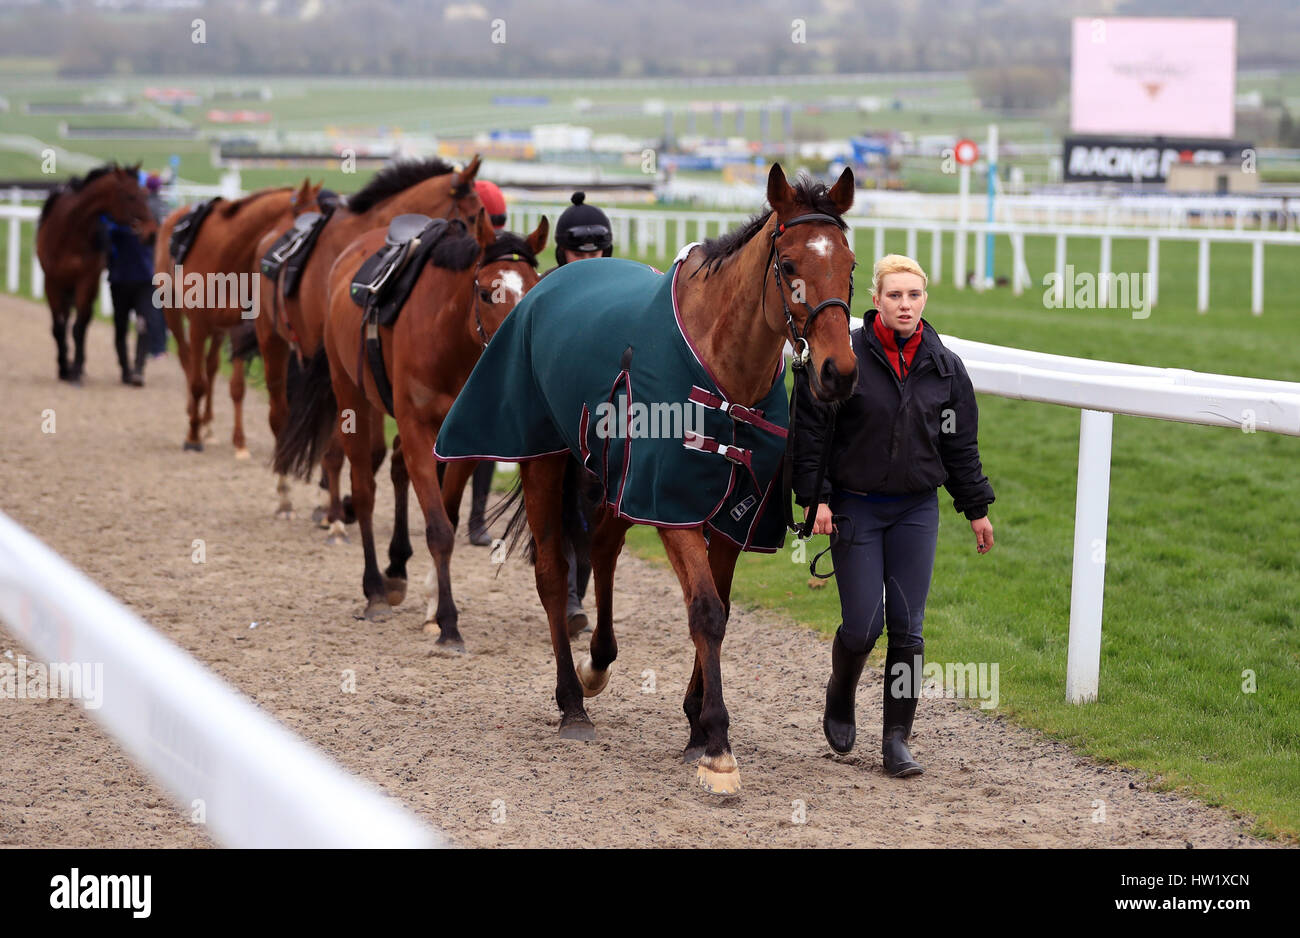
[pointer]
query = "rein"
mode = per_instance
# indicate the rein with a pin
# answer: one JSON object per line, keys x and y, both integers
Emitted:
{"x": 800, "y": 360}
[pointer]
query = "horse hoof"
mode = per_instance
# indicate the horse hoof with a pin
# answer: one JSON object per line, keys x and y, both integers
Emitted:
{"x": 719, "y": 775}
{"x": 193, "y": 447}
{"x": 396, "y": 587}
{"x": 446, "y": 641}
{"x": 692, "y": 754}
{"x": 318, "y": 515}
{"x": 337, "y": 534}
{"x": 578, "y": 728}
{"x": 377, "y": 611}
{"x": 243, "y": 453}
{"x": 592, "y": 680}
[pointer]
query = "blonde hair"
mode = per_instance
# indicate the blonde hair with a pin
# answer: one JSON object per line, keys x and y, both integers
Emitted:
{"x": 896, "y": 264}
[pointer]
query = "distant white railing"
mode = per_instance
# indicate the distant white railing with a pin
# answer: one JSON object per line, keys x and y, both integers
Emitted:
{"x": 659, "y": 234}
{"x": 250, "y": 781}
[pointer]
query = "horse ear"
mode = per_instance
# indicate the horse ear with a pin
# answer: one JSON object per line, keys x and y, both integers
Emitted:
{"x": 537, "y": 240}
{"x": 483, "y": 229}
{"x": 842, "y": 192}
{"x": 469, "y": 172}
{"x": 779, "y": 193}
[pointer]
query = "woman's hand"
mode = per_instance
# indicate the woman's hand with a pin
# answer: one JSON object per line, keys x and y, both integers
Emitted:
{"x": 983, "y": 529}
{"x": 823, "y": 523}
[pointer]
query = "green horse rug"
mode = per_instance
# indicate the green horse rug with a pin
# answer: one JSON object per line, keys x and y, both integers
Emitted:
{"x": 595, "y": 361}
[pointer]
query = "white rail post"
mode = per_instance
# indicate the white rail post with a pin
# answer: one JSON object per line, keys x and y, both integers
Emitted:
{"x": 1103, "y": 272}
{"x": 661, "y": 237}
{"x": 105, "y": 297}
{"x": 641, "y": 232}
{"x": 1017, "y": 263}
{"x": 38, "y": 275}
{"x": 1088, "y": 582}
{"x": 1060, "y": 270}
{"x": 911, "y": 243}
{"x": 15, "y": 232}
{"x": 1257, "y": 278}
{"x": 936, "y": 255}
{"x": 1203, "y": 276}
{"x": 1153, "y": 269}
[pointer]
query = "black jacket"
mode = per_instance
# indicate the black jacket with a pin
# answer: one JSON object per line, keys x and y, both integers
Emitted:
{"x": 896, "y": 437}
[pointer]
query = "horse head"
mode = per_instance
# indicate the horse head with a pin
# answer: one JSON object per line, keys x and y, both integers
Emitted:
{"x": 126, "y": 201}
{"x": 810, "y": 278}
{"x": 507, "y": 269}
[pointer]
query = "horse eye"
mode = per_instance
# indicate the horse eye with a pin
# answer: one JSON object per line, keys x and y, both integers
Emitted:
{"x": 485, "y": 295}
{"x": 787, "y": 268}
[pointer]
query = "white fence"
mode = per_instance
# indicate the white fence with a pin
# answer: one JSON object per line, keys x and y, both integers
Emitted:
{"x": 659, "y": 234}
{"x": 255, "y": 783}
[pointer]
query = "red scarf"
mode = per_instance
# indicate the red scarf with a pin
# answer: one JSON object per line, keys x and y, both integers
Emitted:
{"x": 910, "y": 345}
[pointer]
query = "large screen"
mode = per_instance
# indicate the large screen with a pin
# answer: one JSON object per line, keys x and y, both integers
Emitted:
{"x": 1154, "y": 77}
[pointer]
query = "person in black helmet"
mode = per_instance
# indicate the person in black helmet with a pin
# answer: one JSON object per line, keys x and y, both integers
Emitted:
{"x": 582, "y": 232}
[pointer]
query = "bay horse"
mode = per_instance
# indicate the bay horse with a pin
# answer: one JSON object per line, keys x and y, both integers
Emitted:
{"x": 297, "y": 325}
{"x": 222, "y": 257}
{"x": 721, "y": 317}
{"x": 71, "y": 253}
{"x": 471, "y": 282}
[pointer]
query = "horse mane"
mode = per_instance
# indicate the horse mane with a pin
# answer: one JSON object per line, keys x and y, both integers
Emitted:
{"x": 230, "y": 208}
{"x": 507, "y": 243}
{"x": 815, "y": 196}
{"x": 395, "y": 178}
{"x": 76, "y": 184}
{"x": 457, "y": 249}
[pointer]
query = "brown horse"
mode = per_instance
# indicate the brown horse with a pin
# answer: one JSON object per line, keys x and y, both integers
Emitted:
{"x": 427, "y": 187}
{"x": 70, "y": 250}
{"x": 215, "y": 291}
{"x": 761, "y": 285}
{"x": 472, "y": 281}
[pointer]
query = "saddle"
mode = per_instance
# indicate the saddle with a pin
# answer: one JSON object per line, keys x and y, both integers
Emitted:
{"x": 187, "y": 230}
{"x": 292, "y": 250}
{"x": 385, "y": 280}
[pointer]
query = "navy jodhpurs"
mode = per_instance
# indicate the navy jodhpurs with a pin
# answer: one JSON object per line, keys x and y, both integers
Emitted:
{"x": 884, "y": 558}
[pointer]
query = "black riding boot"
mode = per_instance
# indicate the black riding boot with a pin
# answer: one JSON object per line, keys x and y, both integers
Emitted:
{"x": 839, "y": 722}
{"x": 902, "y": 689}
{"x": 141, "y": 350}
{"x": 481, "y": 488}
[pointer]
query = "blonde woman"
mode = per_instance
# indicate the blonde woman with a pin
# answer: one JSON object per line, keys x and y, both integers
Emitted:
{"x": 909, "y": 427}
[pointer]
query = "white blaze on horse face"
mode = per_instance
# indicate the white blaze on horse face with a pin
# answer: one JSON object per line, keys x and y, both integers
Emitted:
{"x": 512, "y": 282}
{"x": 820, "y": 244}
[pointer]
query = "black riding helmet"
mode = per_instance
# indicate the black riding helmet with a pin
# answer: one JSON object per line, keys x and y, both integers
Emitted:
{"x": 582, "y": 227}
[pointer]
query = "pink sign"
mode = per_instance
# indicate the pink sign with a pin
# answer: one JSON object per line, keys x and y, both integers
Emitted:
{"x": 1148, "y": 77}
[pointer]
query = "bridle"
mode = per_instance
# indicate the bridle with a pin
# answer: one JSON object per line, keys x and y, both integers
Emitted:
{"x": 799, "y": 337}
{"x": 800, "y": 360}
{"x": 489, "y": 257}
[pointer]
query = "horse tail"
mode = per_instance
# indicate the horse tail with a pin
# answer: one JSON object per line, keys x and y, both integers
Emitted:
{"x": 312, "y": 413}
{"x": 581, "y": 504}
{"x": 243, "y": 342}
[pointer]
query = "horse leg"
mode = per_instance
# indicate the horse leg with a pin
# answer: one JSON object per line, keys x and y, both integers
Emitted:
{"x": 197, "y": 375}
{"x": 399, "y": 547}
{"x": 722, "y": 564}
{"x": 275, "y": 362}
{"x": 85, "y": 310}
{"x": 707, "y": 617}
{"x": 237, "y": 400}
{"x": 332, "y": 464}
{"x": 363, "y": 493}
{"x": 60, "y": 301}
{"x": 213, "y": 364}
{"x": 543, "y": 481}
{"x": 417, "y": 451}
{"x": 606, "y": 544}
{"x": 455, "y": 475}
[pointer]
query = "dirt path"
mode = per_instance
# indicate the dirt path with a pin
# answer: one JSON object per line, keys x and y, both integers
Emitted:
{"x": 469, "y": 742}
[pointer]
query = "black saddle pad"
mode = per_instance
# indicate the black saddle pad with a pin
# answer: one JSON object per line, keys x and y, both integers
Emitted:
{"x": 187, "y": 229}
{"x": 386, "y": 278}
{"x": 292, "y": 250}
